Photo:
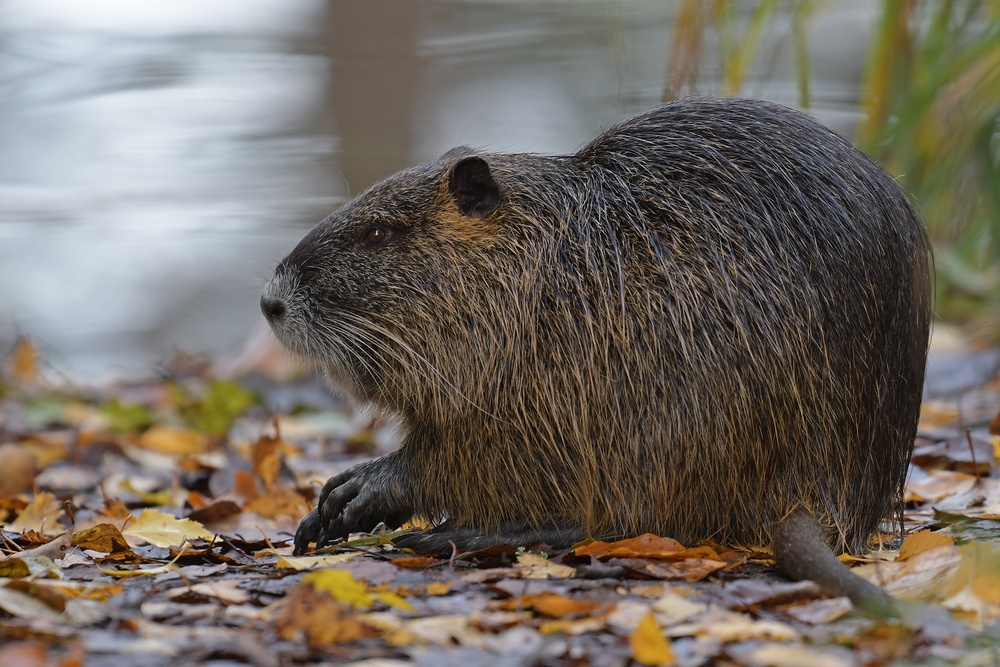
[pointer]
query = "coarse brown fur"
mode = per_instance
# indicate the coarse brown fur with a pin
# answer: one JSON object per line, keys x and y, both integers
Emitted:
{"x": 713, "y": 314}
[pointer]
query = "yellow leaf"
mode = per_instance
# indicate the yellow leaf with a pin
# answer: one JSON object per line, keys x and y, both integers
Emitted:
{"x": 341, "y": 585}
{"x": 40, "y": 515}
{"x": 175, "y": 441}
{"x": 13, "y": 568}
{"x": 533, "y": 566}
{"x": 164, "y": 530}
{"x": 649, "y": 646}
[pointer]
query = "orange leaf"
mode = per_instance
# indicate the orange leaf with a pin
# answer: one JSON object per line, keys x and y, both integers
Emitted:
{"x": 266, "y": 458}
{"x": 23, "y": 362}
{"x": 644, "y": 546}
{"x": 174, "y": 441}
{"x": 649, "y": 646}
{"x": 552, "y": 605}
{"x": 415, "y": 563}
{"x": 244, "y": 485}
{"x": 278, "y": 501}
{"x": 916, "y": 543}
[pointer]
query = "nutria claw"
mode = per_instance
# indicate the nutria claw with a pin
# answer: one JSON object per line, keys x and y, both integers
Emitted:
{"x": 357, "y": 499}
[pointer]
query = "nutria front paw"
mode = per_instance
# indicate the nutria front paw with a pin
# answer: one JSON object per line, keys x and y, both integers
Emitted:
{"x": 358, "y": 499}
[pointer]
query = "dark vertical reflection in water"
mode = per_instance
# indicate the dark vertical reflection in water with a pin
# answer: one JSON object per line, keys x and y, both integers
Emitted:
{"x": 377, "y": 78}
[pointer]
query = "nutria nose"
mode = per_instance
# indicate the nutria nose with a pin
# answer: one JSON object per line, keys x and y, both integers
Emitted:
{"x": 273, "y": 309}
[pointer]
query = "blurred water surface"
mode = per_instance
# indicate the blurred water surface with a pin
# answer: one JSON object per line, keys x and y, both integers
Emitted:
{"x": 157, "y": 158}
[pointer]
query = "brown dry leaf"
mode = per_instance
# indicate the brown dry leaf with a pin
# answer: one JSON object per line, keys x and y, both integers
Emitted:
{"x": 553, "y": 605}
{"x": 13, "y": 567}
{"x": 174, "y": 441}
{"x": 995, "y": 425}
{"x": 649, "y": 646}
{"x": 692, "y": 569}
{"x": 17, "y": 469}
{"x": 533, "y": 566}
{"x": 23, "y": 362}
{"x": 415, "y": 563}
{"x": 265, "y": 456}
{"x": 40, "y": 515}
{"x": 644, "y": 546}
{"x": 165, "y": 530}
{"x": 244, "y": 485}
{"x": 319, "y": 618}
{"x": 937, "y": 485}
{"x": 102, "y": 537}
{"x": 278, "y": 501}
{"x": 916, "y": 543}
{"x": 114, "y": 508}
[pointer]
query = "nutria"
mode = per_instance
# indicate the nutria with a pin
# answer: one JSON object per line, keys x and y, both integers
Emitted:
{"x": 710, "y": 322}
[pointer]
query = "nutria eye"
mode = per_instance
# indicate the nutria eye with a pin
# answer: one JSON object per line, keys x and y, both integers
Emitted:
{"x": 376, "y": 236}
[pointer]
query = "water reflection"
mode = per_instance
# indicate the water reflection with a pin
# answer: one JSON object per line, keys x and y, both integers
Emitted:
{"x": 157, "y": 158}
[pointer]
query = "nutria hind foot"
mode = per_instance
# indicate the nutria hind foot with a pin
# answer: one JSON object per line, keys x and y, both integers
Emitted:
{"x": 802, "y": 553}
{"x": 439, "y": 540}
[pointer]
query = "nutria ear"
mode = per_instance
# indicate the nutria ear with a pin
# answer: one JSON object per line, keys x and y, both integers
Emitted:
{"x": 471, "y": 184}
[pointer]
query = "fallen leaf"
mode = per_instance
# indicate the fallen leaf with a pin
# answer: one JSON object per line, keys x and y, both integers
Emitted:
{"x": 552, "y": 605}
{"x": 174, "y": 441}
{"x": 533, "y": 566}
{"x": 820, "y": 612}
{"x": 17, "y": 469}
{"x": 728, "y": 626}
{"x": 916, "y": 543}
{"x": 164, "y": 530}
{"x": 320, "y": 618}
{"x": 573, "y": 626}
{"x": 303, "y": 563}
{"x": 415, "y": 563}
{"x": 13, "y": 567}
{"x": 102, "y": 537}
{"x": 923, "y": 576}
{"x": 40, "y": 515}
{"x": 644, "y": 546}
{"x": 649, "y": 646}
{"x": 265, "y": 457}
{"x": 936, "y": 484}
{"x": 344, "y": 587}
{"x": 22, "y": 362}
{"x": 278, "y": 501}
{"x": 227, "y": 591}
{"x": 672, "y": 608}
{"x": 793, "y": 655}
